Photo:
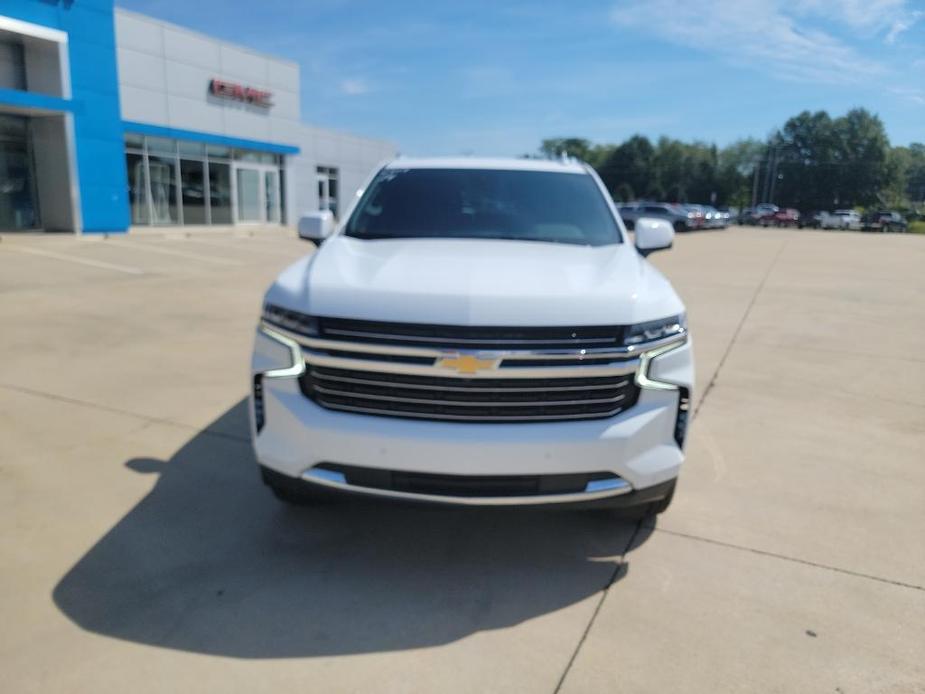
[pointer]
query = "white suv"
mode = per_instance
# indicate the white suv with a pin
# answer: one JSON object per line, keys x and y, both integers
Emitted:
{"x": 476, "y": 331}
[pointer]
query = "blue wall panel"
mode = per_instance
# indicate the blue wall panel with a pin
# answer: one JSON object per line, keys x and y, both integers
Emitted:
{"x": 95, "y": 103}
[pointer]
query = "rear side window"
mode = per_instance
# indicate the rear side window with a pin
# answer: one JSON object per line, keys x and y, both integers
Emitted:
{"x": 484, "y": 204}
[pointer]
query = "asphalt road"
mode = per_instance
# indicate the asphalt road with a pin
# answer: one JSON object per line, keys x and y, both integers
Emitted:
{"x": 140, "y": 553}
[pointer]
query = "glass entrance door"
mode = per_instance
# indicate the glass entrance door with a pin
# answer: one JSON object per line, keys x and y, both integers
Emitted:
{"x": 18, "y": 200}
{"x": 249, "y": 195}
{"x": 271, "y": 195}
{"x": 257, "y": 198}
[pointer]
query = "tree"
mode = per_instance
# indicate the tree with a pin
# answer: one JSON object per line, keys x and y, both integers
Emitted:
{"x": 737, "y": 165}
{"x": 577, "y": 147}
{"x": 628, "y": 166}
{"x": 814, "y": 162}
{"x": 817, "y": 162}
{"x": 912, "y": 177}
{"x": 863, "y": 148}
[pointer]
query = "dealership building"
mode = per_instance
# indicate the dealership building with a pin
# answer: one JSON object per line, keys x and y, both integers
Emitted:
{"x": 111, "y": 120}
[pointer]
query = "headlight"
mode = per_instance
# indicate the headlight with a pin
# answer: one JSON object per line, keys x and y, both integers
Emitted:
{"x": 290, "y": 320}
{"x": 655, "y": 330}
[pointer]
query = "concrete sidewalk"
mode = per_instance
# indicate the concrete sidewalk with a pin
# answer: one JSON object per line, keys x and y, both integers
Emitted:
{"x": 141, "y": 552}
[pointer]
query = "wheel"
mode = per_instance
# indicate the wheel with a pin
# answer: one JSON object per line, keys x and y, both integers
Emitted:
{"x": 680, "y": 227}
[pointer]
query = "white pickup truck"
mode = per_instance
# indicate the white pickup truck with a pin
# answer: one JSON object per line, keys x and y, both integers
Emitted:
{"x": 479, "y": 332}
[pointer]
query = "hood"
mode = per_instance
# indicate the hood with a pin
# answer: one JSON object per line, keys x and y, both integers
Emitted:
{"x": 476, "y": 282}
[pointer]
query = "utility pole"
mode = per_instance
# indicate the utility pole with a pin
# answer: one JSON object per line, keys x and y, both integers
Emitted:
{"x": 756, "y": 169}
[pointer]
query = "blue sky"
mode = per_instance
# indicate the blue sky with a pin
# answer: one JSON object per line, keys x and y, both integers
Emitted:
{"x": 496, "y": 77}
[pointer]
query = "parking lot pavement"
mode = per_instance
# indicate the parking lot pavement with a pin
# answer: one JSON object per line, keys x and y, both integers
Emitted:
{"x": 140, "y": 551}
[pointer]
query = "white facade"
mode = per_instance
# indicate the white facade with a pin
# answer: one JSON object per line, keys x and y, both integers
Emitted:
{"x": 165, "y": 73}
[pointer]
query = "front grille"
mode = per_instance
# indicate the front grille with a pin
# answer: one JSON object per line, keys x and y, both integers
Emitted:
{"x": 469, "y": 337}
{"x": 468, "y": 399}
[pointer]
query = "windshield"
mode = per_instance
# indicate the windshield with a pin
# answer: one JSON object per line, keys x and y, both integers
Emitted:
{"x": 484, "y": 204}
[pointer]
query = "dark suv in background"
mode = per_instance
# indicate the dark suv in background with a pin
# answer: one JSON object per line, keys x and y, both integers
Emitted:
{"x": 884, "y": 220}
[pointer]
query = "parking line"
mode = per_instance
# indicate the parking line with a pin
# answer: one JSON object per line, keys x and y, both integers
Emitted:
{"x": 219, "y": 244}
{"x": 174, "y": 252}
{"x": 83, "y": 261}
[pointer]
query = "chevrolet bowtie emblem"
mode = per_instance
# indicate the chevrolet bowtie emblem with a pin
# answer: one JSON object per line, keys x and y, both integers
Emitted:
{"x": 467, "y": 364}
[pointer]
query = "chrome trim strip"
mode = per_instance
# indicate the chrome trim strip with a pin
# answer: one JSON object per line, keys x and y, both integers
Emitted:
{"x": 532, "y": 372}
{"x": 462, "y": 403}
{"x": 466, "y": 389}
{"x": 468, "y": 340}
{"x": 323, "y": 345}
{"x": 327, "y": 480}
{"x": 488, "y": 419}
{"x": 298, "y": 363}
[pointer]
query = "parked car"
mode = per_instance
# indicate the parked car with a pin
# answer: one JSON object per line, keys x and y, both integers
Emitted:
{"x": 813, "y": 220}
{"x": 788, "y": 217}
{"x": 841, "y": 219}
{"x": 475, "y": 332}
{"x": 754, "y": 215}
{"x": 885, "y": 220}
{"x": 731, "y": 214}
{"x": 681, "y": 218}
{"x": 712, "y": 218}
{"x": 716, "y": 219}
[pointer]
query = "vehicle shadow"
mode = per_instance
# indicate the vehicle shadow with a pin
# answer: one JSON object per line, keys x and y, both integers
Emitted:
{"x": 210, "y": 562}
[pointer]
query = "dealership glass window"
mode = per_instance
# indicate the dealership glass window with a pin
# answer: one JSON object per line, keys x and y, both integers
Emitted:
{"x": 12, "y": 64}
{"x": 219, "y": 151}
{"x": 220, "y": 192}
{"x": 161, "y": 145}
{"x": 137, "y": 187}
{"x": 18, "y": 198}
{"x": 327, "y": 188}
{"x": 162, "y": 178}
{"x": 271, "y": 195}
{"x": 185, "y": 182}
{"x": 193, "y": 191}
{"x": 192, "y": 149}
{"x": 256, "y": 157}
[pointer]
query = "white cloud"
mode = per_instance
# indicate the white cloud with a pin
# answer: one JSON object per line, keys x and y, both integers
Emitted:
{"x": 772, "y": 35}
{"x": 903, "y": 24}
{"x": 865, "y": 16}
{"x": 354, "y": 87}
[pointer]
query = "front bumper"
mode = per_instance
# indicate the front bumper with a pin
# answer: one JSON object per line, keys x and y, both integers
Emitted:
{"x": 639, "y": 446}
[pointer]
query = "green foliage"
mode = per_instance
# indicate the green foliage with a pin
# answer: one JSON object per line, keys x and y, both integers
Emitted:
{"x": 813, "y": 162}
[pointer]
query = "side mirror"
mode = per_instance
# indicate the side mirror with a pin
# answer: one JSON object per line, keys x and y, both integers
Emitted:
{"x": 653, "y": 235}
{"x": 316, "y": 226}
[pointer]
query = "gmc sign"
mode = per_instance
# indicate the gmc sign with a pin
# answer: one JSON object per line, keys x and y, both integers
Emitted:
{"x": 237, "y": 92}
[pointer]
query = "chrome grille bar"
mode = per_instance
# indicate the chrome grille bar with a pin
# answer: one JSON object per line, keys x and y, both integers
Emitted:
{"x": 472, "y": 418}
{"x": 464, "y": 403}
{"x": 469, "y": 389}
